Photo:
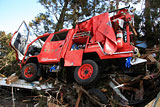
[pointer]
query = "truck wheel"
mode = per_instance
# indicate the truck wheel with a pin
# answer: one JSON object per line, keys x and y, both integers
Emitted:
{"x": 87, "y": 73}
{"x": 29, "y": 72}
{"x": 98, "y": 95}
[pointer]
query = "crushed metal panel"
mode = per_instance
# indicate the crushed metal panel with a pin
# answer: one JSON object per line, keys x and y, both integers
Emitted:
{"x": 102, "y": 30}
{"x": 73, "y": 58}
{"x": 23, "y": 84}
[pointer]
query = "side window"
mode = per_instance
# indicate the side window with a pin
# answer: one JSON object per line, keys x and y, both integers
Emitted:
{"x": 60, "y": 36}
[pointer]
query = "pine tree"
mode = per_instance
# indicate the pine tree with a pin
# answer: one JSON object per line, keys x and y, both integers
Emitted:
{"x": 65, "y": 13}
{"x": 8, "y": 62}
{"x": 151, "y": 22}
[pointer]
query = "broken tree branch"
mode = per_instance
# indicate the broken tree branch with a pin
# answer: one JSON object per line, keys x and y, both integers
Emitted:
{"x": 79, "y": 98}
{"x": 93, "y": 99}
{"x": 58, "y": 92}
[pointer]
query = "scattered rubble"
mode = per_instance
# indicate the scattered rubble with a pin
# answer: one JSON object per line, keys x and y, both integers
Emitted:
{"x": 119, "y": 89}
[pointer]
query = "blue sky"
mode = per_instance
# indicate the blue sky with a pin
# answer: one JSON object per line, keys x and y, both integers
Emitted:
{"x": 13, "y": 12}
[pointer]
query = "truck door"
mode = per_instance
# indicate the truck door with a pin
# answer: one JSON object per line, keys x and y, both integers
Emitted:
{"x": 19, "y": 40}
{"x": 52, "y": 49}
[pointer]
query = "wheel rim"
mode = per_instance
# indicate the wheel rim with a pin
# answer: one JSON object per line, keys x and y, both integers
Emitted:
{"x": 85, "y": 71}
{"x": 29, "y": 71}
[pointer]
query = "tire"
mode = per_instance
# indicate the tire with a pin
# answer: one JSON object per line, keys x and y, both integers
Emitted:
{"x": 98, "y": 95}
{"x": 87, "y": 73}
{"x": 30, "y": 72}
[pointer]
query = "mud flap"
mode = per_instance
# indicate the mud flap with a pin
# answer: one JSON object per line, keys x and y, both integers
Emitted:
{"x": 73, "y": 58}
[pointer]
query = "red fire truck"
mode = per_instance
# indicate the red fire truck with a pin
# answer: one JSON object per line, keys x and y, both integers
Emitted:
{"x": 83, "y": 48}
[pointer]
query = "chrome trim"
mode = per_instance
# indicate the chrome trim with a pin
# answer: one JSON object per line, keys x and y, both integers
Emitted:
{"x": 123, "y": 52}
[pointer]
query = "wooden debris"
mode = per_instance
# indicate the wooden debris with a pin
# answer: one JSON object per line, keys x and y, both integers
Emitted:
{"x": 52, "y": 105}
{"x": 11, "y": 79}
{"x": 58, "y": 90}
{"x": 61, "y": 99}
{"x": 26, "y": 101}
{"x": 84, "y": 91}
{"x": 134, "y": 31}
{"x": 156, "y": 49}
{"x": 104, "y": 90}
{"x": 151, "y": 58}
{"x": 1, "y": 75}
{"x": 78, "y": 99}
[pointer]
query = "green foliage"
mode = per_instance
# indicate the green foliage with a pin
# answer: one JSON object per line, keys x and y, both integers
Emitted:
{"x": 42, "y": 24}
{"x": 8, "y": 62}
{"x": 65, "y": 13}
{"x": 48, "y": 21}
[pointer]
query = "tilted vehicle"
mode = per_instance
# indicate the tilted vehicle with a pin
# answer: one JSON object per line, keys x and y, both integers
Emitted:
{"x": 101, "y": 44}
{"x": 85, "y": 47}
